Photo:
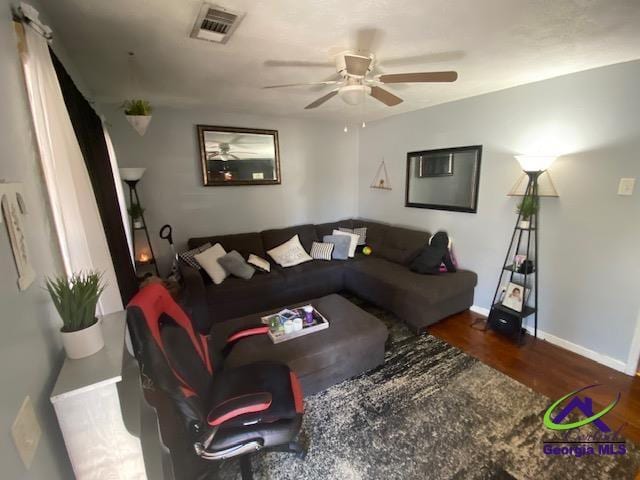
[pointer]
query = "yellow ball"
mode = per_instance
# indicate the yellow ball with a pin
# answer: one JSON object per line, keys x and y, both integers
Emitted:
{"x": 367, "y": 250}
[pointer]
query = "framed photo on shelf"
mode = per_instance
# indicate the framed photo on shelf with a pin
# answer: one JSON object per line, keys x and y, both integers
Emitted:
{"x": 514, "y": 297}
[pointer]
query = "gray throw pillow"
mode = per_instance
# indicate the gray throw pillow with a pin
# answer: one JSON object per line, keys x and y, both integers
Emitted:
{"x": 341, "y": 246}
{"x": 233, "y": 263}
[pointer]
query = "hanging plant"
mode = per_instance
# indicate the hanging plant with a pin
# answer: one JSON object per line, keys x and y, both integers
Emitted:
{"x": 138, "y": 114}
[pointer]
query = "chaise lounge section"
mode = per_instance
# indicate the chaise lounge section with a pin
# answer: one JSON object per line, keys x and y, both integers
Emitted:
{"x": 383, "y": 278}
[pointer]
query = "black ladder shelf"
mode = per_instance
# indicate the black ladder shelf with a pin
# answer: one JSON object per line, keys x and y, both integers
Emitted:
{"x": 524, "y": 241}
{"x": 146, "y": 267}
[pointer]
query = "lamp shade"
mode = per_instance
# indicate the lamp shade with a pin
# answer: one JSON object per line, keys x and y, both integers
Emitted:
{"x": 535, "y": 163}
{"x": 546, "y": 188}
{"x": 131, "y": 174}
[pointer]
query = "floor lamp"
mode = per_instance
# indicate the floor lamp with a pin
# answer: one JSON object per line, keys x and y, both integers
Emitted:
{"x": 511, "y": 305}
{"x": 131, "y": 176}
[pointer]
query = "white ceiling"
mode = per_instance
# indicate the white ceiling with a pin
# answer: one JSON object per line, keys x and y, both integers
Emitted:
{"x": 493, "y": 44}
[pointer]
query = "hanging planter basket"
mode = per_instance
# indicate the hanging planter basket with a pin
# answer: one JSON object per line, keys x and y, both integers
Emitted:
{"x": 140, "y": 123}
{"x": 138, "y": 114}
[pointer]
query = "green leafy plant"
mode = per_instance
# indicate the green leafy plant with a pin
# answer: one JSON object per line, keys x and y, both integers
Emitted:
{"x": 137, "y": 107}
{"x": 135, "y": 211}
{"x": 76, "y": 298}
{"x": 528, "y": 207}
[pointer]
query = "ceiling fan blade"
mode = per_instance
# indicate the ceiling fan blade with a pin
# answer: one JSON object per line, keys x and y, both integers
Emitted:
{"x": 296, "y": 63}
{"x": 419, "y": 77}
{"x": 321, "y": 100}
{"x": 332, "y": 82}
{"x": 386, "y": 97}
{"x": 357, "y": 65}
{"x": 234, "y": 157}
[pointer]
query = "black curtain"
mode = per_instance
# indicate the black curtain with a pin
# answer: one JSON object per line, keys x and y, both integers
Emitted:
{"x": 88, "y": 128}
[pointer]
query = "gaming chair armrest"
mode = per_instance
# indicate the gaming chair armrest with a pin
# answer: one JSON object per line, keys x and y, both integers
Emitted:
{"x": 240, "y": 334}
{"x": 247, "y": 332}
{"x": 236, "y": 406}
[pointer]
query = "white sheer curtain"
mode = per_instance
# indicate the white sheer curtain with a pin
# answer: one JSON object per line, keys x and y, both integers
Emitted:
{"x": 80, "y": 231}
{"x": 119, "y": 191}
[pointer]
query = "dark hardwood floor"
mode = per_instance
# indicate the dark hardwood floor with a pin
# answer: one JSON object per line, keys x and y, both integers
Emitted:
{"x": 546, "y": 368}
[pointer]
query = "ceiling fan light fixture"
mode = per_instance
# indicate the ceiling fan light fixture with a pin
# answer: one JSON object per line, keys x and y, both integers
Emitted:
{"x": 353, "y": 94}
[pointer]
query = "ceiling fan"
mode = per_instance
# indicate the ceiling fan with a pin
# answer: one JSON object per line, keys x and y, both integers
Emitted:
{"x": 356, "y": 80}
{"x": 224, "y": 152}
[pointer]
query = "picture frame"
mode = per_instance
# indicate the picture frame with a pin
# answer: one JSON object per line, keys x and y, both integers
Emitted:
{"x": 444, "y": 179}
{"x": 514, "y": 296}
{"x": 232, "y": 156}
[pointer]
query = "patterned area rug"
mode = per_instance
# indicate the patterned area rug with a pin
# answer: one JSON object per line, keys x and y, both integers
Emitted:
{"x": 430, "y": 411}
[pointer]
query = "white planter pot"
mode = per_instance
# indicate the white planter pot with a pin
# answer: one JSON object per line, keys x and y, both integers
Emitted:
{"x": 137, "y": 224}
{"x": 84, "y": 342}
{"x": 140, "y": 123}
{"x": 524, "y": 224}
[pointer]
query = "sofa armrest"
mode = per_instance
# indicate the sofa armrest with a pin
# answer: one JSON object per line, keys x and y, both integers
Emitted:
{"x": 194, "y": 297}
{"x": 237, "y": 406}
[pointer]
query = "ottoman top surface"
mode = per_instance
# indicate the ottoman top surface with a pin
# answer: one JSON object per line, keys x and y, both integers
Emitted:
{"x": 351, "y": 330}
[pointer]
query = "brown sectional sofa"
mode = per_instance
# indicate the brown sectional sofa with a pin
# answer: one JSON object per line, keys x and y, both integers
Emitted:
{"x": 382, "y": 278}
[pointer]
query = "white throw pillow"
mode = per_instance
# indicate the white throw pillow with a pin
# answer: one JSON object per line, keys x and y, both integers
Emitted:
{"x": 353, "y": 243}
{"x": 259, "y": 262}
{"x": 209, "y": 261}
{"x": 290, "y": 253}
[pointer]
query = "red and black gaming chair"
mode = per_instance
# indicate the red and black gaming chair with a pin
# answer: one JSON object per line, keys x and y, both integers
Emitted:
{"x": 226, "y": 413}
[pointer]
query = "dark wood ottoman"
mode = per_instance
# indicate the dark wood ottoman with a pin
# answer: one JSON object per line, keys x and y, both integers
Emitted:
{"x": 353, "y": 344}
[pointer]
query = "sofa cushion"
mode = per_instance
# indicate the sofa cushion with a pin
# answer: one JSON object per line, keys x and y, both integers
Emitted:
{"x": 341, "y": 245}
{"x": 432, "y": 288}
{"x": 402, "y": 245}
{"x": 244, "y": 243}
{"x": 315, "y": 273}
{"x": 376, "y": 232}
{"x": 233, "y": 263}
{"x": 236, "y": 296}
{"x": 290, "y": 253}
{"x": 326, "y": 228}
{"x": 274, "y": 237}
{"x": 209, "y": 262}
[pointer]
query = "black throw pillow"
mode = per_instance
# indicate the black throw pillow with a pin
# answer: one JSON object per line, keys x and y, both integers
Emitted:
{"x": 441, "y": 240}
{"x": 429, "y": 260}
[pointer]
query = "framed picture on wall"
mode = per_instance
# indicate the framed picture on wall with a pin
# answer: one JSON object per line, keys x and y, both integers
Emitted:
{"x": 514, "y": 297}
{"x": 238, "y": 156}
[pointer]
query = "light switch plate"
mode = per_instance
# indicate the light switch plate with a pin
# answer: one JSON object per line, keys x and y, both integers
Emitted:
{"x": 626, "y": 185}
{"x": 26, "y": 432}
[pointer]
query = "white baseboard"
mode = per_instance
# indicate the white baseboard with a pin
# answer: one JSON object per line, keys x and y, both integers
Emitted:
{"x": 567, "y": 345}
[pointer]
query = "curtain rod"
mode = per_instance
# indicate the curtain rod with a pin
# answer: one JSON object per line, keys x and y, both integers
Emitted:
{"x": 25, "y": 13}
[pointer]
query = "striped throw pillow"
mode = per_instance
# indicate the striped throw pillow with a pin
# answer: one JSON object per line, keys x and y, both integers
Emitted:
{"x": 321, "y": 251}
{"x": 188, "y": 256}
{"x": 360, "y": 231}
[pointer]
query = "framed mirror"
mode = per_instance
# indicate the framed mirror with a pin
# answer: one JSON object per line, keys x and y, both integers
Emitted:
{"x": 444, "y": 179}
{"x": 238, "y": 156}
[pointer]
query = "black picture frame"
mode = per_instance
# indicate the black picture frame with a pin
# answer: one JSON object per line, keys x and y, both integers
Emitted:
{"x": 207, "y": 181}
{"x": 474, "y": 184}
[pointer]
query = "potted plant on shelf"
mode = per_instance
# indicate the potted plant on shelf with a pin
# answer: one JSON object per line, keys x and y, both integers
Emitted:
{"x": 527, "y": 208}
{"x": 135, "y": 212}
{"x": 75, "y": 300}
{"x": 138, "y": 114}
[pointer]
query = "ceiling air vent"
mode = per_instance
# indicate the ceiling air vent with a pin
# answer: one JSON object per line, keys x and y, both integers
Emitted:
{"x": 215, "y": 24}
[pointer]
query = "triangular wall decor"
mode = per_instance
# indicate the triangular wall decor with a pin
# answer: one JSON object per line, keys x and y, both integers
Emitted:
{"x": 381, "y": 180}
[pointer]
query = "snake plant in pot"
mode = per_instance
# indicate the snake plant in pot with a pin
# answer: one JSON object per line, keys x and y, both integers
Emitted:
{"x": 75, "y": 299}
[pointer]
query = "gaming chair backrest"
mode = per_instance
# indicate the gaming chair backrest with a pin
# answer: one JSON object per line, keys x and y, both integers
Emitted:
{"x": 169, "y": 351}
